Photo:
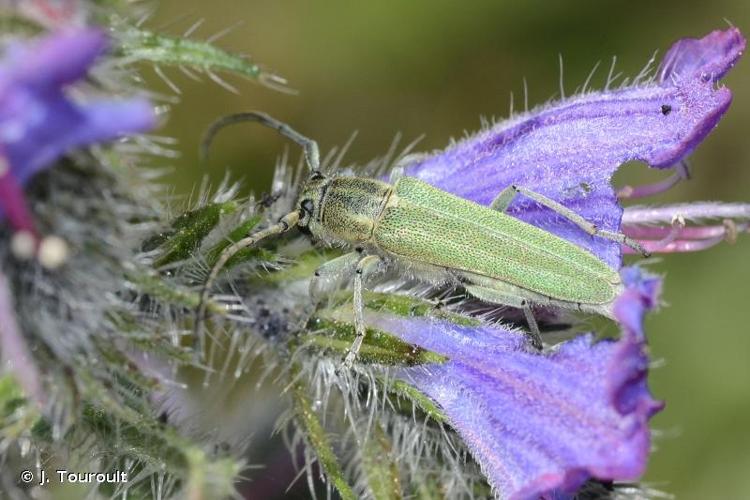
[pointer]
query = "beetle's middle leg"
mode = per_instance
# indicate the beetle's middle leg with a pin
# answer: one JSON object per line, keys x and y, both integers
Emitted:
{"x": 506, "y": 196}
{"x": 366, "y": 267}
{"x": 331, "y": 275}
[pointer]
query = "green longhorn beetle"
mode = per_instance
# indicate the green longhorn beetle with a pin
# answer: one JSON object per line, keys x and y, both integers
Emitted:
{"x": 435, "y": 236}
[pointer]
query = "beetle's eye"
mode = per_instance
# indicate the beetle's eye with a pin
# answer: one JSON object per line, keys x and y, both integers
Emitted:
{"x": 308, "y": 206}
{"x": 316, "y": 175}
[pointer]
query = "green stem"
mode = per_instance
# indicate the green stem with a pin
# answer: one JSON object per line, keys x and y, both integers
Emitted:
{"x": 317, "y": 438}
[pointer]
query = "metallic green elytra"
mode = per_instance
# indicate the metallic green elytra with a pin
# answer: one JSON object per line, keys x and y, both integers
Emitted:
{"x": 437, "y": 237}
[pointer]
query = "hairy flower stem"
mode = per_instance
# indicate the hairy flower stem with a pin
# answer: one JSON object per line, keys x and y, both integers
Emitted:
{"x": 316, "y": 436}
{"x": 15, "y": 351}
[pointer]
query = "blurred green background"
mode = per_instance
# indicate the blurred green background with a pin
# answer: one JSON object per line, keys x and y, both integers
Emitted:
{"x": 433, "y": 68}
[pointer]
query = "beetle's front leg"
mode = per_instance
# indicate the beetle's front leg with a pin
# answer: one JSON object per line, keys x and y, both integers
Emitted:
{"x": 365, "y": 268}
{"x": 506, "y": 196}
{"x": 330, "y": 275}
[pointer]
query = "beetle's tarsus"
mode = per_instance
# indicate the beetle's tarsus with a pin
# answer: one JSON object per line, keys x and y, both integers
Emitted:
{"x": 503, "y": 200}
{"x": 535, "y": 334}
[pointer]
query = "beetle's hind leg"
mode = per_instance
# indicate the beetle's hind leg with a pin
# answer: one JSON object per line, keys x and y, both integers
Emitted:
{"x": 508, "y": 299}
{"x": 366, "y": 267}
{"x": 506, "y": 196}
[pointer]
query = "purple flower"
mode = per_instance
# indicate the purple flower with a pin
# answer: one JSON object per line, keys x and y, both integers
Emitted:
{"x": 39, "y": 121}
{"x": 542, "y": 424}
{"x": 569, "y": 150}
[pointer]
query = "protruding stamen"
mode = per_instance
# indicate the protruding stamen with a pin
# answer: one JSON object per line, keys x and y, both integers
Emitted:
{"x": 679, "y": 238}
{"x": 23, "y": 245}
{"x": 630, "y": 192}
{"x": 52, "y": 252}
{"x": 730, "y": 231}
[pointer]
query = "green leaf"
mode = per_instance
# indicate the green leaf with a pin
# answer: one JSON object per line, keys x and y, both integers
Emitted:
{"x": 303, "y": 267}
{"x": 407, "y": 306}
{"x": 160, "y": 447}
{"x": 189, "y": 230}
{"x": 428, "y": 488}
{"x": 18, "y": 417}
{"x": 11, "y": 24}
{"x": 241, "y": 231}
{"x": 328, "y": 333}
{"x": 141, "y": 45}
{"x": 163, "y": 290}
{"x": 332, "y": 329}
{"x": 411, "y": 394}
{"x": 10, "y": 394}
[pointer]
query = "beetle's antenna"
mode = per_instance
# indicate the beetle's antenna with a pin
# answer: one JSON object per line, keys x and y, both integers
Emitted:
{"x": 285, "y": 223}
{"x": 312, "y": 153}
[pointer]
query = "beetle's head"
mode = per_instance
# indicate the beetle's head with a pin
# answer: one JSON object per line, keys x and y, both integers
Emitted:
{"x": 308, "y": 203}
